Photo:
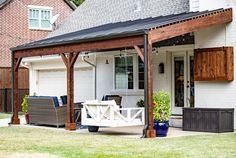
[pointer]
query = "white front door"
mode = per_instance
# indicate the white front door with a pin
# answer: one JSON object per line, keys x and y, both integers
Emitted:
{"x": 182, "y": 81}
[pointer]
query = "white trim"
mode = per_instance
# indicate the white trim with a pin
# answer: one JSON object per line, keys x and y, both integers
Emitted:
{"x": 40, "y": 7}
{"x": 178, "y": 110}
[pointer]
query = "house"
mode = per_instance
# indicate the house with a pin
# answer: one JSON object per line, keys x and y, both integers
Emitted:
{"x": 22, "y": 22}
{"x": 187, "y": 45}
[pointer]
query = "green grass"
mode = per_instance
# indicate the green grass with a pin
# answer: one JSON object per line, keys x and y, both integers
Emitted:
{"x": 66, "y": 144}
{"x": 4, "y": 115}
{"x": 8, "y": 115}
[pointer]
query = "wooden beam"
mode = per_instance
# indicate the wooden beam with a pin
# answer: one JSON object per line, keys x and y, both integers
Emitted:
{"x": 191, "y": 25}
{"x": 15, "y": 117}
{"x": 17, "y": 64}
{"x": 87, "y": 46}
{"x": 64, "y": 59}
{"x": 69, "y": 61}
{"x": 151, "y": 133}
{"x": 140, "y": 52}
{"x": 74, "y": 58}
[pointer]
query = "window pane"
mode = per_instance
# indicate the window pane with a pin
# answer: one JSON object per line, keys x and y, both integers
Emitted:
{"x": 140, "y": 74}
{"x": 45, "y": 24}
{"x": 34, "y": 23}
{"x": 124, "y": 72}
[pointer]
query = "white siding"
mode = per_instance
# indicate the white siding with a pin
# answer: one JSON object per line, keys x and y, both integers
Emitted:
{"x": 217, "y": 94}
{"x": 194, "y": 5}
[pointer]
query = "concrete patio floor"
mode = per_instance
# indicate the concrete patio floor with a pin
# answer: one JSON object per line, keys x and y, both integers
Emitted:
{"x": 131, "y": 132}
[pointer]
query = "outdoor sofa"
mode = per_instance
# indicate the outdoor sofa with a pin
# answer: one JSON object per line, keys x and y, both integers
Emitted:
{"x": 45, "y": 110}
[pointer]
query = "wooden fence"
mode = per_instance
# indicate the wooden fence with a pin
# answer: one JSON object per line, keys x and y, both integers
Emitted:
{"x": 5, "y": 87}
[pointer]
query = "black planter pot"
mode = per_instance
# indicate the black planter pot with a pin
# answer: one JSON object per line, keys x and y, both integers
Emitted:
{"x": 161, "y": 128}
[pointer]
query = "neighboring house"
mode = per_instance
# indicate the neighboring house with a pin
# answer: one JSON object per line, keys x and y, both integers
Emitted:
{"x": 23, "y": 21}
{"x": 121, "y": 72}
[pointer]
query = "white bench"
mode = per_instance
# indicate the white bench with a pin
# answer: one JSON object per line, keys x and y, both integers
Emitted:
{"x": 108, "y": 114}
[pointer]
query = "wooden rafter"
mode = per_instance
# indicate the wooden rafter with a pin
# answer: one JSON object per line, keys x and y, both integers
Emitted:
{"x": 74, "y": 58}
{"x": 17, "y": 63}
{"x": 88, "y": 46}
{"x": 140, "y": 52}
{"x": 190, "y": 25}
{"x": 64, "y": 59}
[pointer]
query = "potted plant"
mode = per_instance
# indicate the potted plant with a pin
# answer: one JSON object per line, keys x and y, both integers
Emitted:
{"x": 161, "y": 112}
{"x": 25, "y": 108}
{"x": 140, "y": 103}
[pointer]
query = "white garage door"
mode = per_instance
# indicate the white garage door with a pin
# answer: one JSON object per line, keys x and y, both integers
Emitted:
{"x": 54, "y": 83}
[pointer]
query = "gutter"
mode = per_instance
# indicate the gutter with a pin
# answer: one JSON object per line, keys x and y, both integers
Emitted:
{"x": 145, "y": 82}
{"x": 12, "y": 86}
{"x": 95, "y": 74}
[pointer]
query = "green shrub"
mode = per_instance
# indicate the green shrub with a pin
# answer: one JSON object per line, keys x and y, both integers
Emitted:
{"x": 24, "y": 104}
{"x": 161, "y": 109}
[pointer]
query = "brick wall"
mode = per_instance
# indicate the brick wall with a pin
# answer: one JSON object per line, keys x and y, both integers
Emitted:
{"x": 14, "y": 24}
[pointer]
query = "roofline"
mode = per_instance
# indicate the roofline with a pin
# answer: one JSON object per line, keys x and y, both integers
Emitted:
{"x": 70, "y": 4}
{"x": 5, "y": 3}
{"x": 112, "y": 36}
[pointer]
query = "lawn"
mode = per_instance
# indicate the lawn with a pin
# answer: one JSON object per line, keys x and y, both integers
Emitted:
{"x": 15, "y": 141}
{"x": 4, "y": 115}
{"x": 8, "y": 115}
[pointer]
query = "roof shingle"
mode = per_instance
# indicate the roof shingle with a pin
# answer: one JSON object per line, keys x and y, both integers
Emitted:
{"x": 94, "y": 13}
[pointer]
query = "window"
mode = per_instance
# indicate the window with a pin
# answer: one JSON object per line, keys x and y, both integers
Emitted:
{"x": 140, "y": 74}
{"x": 39, "y": 17}
{"x": 124, "y": 77}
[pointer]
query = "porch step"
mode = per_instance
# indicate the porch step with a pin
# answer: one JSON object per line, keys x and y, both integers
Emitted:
{"x": 176, "y": 121}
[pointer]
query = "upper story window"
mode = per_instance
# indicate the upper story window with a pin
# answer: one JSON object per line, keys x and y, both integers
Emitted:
{"x": 39, "y": 17}
{"x": 124, "y": 76}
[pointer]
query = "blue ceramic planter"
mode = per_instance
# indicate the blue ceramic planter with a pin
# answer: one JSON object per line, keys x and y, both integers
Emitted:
{"x": 161, "y": 128}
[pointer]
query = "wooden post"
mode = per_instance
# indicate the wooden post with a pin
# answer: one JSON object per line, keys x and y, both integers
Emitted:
{"x": 69, "y": 61}
{"x": 16, "y": 64}
{"x": 151, "y": 133}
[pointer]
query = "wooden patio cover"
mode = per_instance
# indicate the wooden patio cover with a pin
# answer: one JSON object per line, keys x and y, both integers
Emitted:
{"x": 135, "y": 34}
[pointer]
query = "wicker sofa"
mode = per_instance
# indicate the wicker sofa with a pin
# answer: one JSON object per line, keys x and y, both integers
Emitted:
{"x": 45, "y": 110}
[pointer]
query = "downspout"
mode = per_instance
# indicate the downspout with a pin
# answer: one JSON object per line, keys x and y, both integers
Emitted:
{"x": 12, "y": 86}
{"x": 145, "y": 82}
{"x": 95, "y": 74}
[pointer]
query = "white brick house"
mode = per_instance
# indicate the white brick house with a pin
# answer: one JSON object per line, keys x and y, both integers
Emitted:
{"x": 185, "y": 92}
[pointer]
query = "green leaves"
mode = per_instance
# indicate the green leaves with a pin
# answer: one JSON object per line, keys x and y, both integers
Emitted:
{"x": 25, "y": 104}
{"x": 161, "y": 109}
{"x": 78, "y": 2}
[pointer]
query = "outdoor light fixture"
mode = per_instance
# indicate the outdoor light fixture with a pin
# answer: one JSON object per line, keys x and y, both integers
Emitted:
{"x": 107, "y": 62}
{"x": 161, "y": 68}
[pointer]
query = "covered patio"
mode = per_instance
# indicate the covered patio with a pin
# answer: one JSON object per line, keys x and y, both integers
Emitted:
{"x": 142, "y": 35}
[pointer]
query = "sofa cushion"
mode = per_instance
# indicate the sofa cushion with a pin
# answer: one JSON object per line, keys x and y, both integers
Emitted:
{"x": 55, "y": 99}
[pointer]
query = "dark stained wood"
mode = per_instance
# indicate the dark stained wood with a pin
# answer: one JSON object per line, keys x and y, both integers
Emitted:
{"x": 15, "y": 117}
{"x": 151, "y": 133}
{"x": 64, "y": 59}
{"x": 140, "y": 52}
{"x": 5, "y": 78}
{"x": 214, "y": 64}
{"x": 191, "y": 25}
{"x": 17, "y": 64}
{"x": 69, "y": 61}
{"x": 88, "y": 46}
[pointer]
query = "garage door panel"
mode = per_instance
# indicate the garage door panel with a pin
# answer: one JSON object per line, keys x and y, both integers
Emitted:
{"x": 54, "y": 83}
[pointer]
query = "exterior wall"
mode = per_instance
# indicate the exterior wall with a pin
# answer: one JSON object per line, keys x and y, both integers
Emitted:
{"x": 105, "y": 72}
{"x": 14, "y": 24}
{"x": 194, "y": 5}
{"x": 217, "y": 94}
